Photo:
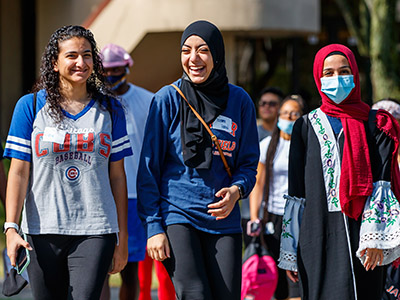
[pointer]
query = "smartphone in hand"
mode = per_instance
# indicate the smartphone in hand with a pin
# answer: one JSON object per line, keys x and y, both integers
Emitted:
{"x": 23, "y": 258}
{"x": 253, "y": 228}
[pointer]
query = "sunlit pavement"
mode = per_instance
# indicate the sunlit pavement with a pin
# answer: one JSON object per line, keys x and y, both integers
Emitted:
{"x": 26, "y": 294}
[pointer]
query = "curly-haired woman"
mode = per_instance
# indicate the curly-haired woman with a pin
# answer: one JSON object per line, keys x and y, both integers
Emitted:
{"x": 67, "y": 142}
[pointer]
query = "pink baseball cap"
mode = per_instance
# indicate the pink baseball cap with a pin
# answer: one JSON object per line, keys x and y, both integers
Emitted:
{"x": 115, "y": 56}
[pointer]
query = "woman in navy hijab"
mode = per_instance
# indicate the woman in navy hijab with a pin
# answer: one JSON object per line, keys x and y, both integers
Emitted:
{"x": 186, "y": 198}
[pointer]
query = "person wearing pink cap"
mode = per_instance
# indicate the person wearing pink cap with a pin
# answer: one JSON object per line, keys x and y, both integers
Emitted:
{"x": 116, "y": 63}
{"x": 136, "y": 103}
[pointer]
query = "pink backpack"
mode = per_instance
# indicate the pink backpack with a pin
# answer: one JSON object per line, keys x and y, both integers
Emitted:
{"x": 259, "y": 273}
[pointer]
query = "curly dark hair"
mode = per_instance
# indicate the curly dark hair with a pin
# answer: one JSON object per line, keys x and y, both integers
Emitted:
{"x": 49, "y": 78}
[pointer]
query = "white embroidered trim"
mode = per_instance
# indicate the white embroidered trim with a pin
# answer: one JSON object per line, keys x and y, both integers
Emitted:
{"x": 329, "y": 157}
{"x": 287, "y": 261}
{"x": 389, "y": 244}
{"x": 380, "y": 227}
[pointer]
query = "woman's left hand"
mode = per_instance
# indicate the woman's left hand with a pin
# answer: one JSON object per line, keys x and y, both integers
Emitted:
{"x": 223, "y": 208}
{"x": 120, "y": 258}
{"x": 373, "y": 256}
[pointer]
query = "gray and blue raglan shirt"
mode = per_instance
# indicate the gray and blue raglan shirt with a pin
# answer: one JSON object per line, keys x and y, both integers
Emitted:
{"x": 69, "y": 190}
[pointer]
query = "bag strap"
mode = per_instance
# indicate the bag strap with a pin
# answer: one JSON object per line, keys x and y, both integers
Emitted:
{"x": 264, "y": 219}
{"x": 265, "y": 212}
{"x": 265, "y": 206}
{"x": 213, "y": 136}
{"x": 266, "y": 197}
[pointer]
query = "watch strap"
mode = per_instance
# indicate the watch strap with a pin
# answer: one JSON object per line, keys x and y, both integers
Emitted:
{"x": 241, "y": 191}
{"x": 8, "y": 225}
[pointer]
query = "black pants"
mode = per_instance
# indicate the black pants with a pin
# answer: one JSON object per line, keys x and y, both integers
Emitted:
{"x": 204, "y": 266}
{"x": 69, "y": 267}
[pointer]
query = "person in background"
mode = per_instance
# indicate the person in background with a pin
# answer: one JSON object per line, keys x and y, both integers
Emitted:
{"x": 67, "y": 142}
{"x": 273, "y": 171}
{"x": 341, "y": 221}
{"x": 389, "y": 104}
{"x": 136, "y": 102}
{"x": 392, "y": 282}
{"x": 392, "y": 106}
{"x": 268, "y": 107}
{"x": 166, "y": 289}
{"x": 187, "y": 195}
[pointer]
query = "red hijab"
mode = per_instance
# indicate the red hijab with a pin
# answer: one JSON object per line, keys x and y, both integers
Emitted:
{"x": 356, "y": 181}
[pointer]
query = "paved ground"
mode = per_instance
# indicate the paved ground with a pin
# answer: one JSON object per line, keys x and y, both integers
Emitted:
{"x": 26, "y": 294}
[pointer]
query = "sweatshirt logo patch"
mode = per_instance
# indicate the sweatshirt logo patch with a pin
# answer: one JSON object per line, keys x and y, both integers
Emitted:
{"x": 225, "y": 124}
{"x": 72, "y": 173}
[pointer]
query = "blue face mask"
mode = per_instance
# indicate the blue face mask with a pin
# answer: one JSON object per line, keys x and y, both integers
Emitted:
{"x": 337, "y": 88}
{"x": 285, "y": 125}
{"x": 116, "y": 81}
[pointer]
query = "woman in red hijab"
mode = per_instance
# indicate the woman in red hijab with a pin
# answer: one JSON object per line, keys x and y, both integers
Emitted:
{"x": 341, "y": 220}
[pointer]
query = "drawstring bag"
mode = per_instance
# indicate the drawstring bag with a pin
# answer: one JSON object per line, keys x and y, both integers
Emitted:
{"x": 259, "y": 272}
{"x": 392, "y": 284}
{"x": 16, "y": 277}
{"x": 13, "y": 284}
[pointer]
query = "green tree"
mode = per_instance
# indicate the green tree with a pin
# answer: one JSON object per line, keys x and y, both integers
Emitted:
{"x": 373, "y": 23}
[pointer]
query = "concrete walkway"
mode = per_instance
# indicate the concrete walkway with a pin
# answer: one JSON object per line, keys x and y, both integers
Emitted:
{"x": 26, "y": 294}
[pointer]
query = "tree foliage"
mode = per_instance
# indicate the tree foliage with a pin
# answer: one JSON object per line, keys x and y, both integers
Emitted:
{"x": 373, "y": 23}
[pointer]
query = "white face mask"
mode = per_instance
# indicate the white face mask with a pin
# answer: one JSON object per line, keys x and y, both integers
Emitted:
{"x": 337, "y": 88}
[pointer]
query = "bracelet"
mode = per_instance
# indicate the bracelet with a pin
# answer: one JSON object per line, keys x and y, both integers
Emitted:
{"x": 8, "y": 225}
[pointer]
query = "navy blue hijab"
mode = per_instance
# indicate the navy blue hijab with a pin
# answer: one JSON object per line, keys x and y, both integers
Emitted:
{"x": 208, "y": 98}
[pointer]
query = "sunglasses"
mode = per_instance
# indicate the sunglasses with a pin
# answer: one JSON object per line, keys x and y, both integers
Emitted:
{"x": 291, "y": 114}
{"x": 268, "y": 103}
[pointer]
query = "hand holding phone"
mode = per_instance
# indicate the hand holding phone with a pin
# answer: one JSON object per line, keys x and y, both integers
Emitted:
{"x": 23, "y": 258}
{"x": 254, "y": 228}
{"x": 17, "y": 253}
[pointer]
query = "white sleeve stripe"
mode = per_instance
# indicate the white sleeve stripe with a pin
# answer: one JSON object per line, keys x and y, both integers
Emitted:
{"x": 120, "y": 140}
{"x": 120, "y": 148}
{"x": 18, "y": 140}
{"x": 18, "y": 148}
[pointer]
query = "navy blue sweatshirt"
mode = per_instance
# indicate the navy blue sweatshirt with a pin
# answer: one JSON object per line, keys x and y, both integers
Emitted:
{"x": 169, "y": 192}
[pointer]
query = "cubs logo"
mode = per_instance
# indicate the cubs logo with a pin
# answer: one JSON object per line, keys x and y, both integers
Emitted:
{"x": 72, "y": 173}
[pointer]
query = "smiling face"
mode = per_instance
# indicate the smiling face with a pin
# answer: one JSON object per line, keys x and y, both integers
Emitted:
{"x": 75, "y": 61}
{"x": 336, "y": 65}
{"x": 196, "y": 59}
